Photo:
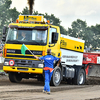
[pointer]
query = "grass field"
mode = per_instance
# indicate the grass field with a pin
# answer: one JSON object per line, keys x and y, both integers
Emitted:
{"x": 1, "y": 71}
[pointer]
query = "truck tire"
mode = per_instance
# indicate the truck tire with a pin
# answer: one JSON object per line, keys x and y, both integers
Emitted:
{"x": 56, "y": 77}
{"x": 15, "y": 77}
{"x": 80, "y": 78}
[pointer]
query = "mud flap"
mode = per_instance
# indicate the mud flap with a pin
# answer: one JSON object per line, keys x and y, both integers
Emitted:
{"x": 94, "y": 71}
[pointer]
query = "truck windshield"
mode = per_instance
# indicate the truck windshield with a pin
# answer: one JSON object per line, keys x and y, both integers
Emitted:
{"x": 28, "y": 36}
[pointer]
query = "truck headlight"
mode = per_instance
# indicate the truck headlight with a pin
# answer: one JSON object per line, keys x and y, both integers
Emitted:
{"x": 6, "y": 63}
{"x": 40, "y": 65}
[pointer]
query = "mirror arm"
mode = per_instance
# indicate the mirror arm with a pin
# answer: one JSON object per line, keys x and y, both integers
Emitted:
{"x": 52, "y": 46}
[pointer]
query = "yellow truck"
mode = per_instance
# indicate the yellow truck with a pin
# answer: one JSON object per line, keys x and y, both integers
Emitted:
{"x": 39, "y": 35}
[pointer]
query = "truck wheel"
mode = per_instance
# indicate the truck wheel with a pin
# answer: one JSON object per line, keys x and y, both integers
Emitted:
{"x": 56, "y": 77}
{"x": 80, "y": 78}
{"x": 15, "y": 77}
{"x": 11, "y": 77}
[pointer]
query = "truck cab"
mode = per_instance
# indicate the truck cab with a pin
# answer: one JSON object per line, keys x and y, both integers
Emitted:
{"x": 38, "y": 35}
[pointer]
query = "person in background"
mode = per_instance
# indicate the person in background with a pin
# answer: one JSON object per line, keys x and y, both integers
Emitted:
{"x": 23, "y": 36}
{"x": 48, "y": 68}
{"x": 1, "y": 50}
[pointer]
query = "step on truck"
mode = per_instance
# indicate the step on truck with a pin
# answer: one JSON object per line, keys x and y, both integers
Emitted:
{"x": 40, "y": 35}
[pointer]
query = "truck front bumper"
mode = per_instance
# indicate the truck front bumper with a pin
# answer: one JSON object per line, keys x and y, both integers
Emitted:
{"x": 22, "y": 70}
{"x": 23, "y": 66}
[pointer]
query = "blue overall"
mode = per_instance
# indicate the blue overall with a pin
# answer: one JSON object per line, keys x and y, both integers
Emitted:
{"x": 48, "y": 62}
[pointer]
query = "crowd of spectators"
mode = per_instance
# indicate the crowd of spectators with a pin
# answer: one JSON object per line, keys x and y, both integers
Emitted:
{"x": 1, "y": 48}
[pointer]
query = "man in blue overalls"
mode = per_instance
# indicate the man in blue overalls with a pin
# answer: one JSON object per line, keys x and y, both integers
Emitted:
{"x": 48, "y": 68}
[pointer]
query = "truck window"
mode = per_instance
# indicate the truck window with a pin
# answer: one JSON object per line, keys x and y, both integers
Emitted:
{"x": 12, "y": 34}
{"x": 39, "y": 35}
{"x": 29, "y": 36}
{"x": 50, "y": 34}
{"x": 24, "y": 35}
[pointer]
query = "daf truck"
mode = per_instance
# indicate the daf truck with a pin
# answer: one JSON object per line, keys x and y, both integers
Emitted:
{"x": 40, "y": 36}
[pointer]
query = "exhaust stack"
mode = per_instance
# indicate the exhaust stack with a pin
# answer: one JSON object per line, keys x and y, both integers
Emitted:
{"x": 31, "y": 4}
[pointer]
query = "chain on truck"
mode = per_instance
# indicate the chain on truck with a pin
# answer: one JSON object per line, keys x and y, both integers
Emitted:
{"x": 40, "y": 36}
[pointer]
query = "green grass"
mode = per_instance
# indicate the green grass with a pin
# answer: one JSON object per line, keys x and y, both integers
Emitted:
{"x": 1, "y": 71}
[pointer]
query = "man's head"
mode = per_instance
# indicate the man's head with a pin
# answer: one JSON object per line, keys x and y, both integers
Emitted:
{"x": 23, "y": 34}
{"x": 48, "y": 51}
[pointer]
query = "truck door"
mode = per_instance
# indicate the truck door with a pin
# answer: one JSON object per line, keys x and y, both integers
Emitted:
{"x": 55, "y": 47}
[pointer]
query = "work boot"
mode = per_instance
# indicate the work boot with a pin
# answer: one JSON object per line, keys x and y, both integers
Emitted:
{"x": 48, "y": 92}
{"x": 44, "y": 91}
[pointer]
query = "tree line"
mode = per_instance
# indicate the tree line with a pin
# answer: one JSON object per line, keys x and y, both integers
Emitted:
{"x": 79, "y": 28}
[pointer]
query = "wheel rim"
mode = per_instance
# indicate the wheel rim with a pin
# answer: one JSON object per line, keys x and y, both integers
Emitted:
{"x": 81, "y": 78}
{"x": 57, "y": 76}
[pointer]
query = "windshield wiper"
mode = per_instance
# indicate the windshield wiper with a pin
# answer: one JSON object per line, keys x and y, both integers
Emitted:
{"x": 36, "y": 42}
{"x": 32, "y": 42}
{"x": 14, "y": 41}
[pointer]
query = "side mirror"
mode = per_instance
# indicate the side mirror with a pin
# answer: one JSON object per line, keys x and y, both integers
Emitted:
{"x": 4, "y": 33}
{"x": 4, "y": 29}
{"x": 54, "y": 37}
{"x": 4, "y": 38}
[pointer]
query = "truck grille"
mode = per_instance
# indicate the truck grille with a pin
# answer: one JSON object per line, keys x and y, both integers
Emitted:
{"x": 24, "y": 63}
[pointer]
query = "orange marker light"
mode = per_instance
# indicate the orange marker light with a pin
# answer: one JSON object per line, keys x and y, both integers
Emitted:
{"x": 5, "y": 52}
{"x": 48, "y": 21}
{"x": 43, "y": 53}
{"x": 17, "y": 21}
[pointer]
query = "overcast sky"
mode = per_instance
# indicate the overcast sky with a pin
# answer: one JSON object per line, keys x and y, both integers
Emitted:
{"x": 66, "y": 10}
